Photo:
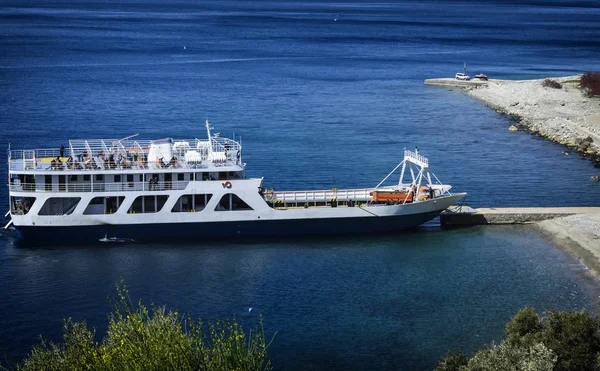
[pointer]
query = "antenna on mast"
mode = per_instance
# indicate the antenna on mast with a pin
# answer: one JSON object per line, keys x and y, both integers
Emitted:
{"x": 129, "y": 137}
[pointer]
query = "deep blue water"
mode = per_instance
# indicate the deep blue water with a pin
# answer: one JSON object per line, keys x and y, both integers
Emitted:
{"x": 320, "y": 103}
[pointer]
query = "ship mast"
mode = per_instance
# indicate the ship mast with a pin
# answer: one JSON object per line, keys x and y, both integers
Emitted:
{"x": 210, "y": 144}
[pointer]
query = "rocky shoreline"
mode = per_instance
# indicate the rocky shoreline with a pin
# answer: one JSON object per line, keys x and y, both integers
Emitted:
{"x": 566, "y": 115}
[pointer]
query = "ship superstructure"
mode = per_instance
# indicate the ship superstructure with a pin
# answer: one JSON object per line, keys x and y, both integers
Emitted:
{"x": 176, "y": 189}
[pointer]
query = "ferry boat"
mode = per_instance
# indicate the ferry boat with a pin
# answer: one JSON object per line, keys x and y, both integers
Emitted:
{"x": 184, "y": 189}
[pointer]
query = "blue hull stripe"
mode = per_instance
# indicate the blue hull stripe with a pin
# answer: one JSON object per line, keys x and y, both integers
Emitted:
{"x": 258, "y": 228}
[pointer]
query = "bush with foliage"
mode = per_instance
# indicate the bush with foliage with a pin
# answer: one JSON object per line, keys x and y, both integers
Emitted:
{"x": 590, "y": 83}
{"x": 155, "y": 339}
{"x": 562, "y": 340}
{"x": 549, "y": 83}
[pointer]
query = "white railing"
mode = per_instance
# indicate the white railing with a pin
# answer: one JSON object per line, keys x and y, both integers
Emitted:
{"x": 320, "y": 196}
{"x": 112, "y": 154}
{"x": 416, "y": 158}
{"x": 99, "y": 187}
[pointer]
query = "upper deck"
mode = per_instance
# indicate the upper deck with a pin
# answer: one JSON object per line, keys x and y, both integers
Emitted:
{"x": 129, "y": 154}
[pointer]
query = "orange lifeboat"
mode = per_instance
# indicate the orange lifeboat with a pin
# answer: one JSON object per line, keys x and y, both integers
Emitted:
{"x": 400, "y": 197}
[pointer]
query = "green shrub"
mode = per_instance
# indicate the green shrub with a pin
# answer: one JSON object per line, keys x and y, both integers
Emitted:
{"x": 563, "y": 340}
{"x": 507, "y": 357}
{"x": 590, "y": 82}
{"x": 452, "y": 362}
{"x": 525, "y": 328}
{"x": 573, "y": 336}
{"x": 155, "y": 339}
{"x": 549, "y": 83}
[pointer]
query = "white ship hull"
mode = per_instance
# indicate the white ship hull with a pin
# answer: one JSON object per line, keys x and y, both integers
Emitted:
{"x": 262, "y": 220}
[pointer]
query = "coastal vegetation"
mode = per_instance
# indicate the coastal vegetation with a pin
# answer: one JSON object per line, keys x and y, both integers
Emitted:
{"x": 549, "y": 83}
{"x": 590, "y": 83}
{"x": 559, "y": 340}
{"x": 139, "y": 338}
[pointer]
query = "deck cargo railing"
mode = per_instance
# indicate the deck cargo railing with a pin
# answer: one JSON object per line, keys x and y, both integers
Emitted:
{"x": 319, "y": 196}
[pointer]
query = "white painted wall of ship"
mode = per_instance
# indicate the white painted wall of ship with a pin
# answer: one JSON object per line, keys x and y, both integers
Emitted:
{"x": 246, "y": 189}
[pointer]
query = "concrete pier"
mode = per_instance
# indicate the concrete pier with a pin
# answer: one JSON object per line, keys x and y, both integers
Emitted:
{"x": 450, "y": 82}
{"x": 465, "y": 216}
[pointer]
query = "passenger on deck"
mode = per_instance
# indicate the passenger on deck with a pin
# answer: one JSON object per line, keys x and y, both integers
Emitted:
{"x": 62, "y": 150}
{"x": 111, "y": 161}
{"x": 70, "y": 163}
{"x": 174, "y": 162}
{"x": 59, "y": 164}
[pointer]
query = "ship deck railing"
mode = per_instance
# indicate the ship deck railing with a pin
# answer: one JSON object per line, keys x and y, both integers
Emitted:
{"x": 99, "y": 187}
{"x": 129, "y": 155}
{"x": 320, "y": 196}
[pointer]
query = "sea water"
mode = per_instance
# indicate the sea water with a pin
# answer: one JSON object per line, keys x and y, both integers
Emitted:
{"x": 323, "y": 95}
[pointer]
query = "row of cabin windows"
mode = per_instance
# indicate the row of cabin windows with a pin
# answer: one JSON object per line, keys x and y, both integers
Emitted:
{"x": 140, "y": 177}
{"x": 141, "y": 205}
{"x": 29, "y": 180}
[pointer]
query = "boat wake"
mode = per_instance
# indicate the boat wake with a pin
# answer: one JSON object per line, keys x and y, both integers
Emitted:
{"x": 116, "y": 239}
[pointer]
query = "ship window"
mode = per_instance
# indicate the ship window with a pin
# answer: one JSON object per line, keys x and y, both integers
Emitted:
{"x": 27, "y": 182}
{"x": 48, "y": 182}
{"x": 148, "y": 204}
{"x": 86, "y": 178}
{"x": 21, "y": 205}
{"x": 73, "y": 178}
{"x": 231, "y": 202}
{"x": 222, "y": 175}
{"x": 104, "y": 205}
{"x": 117, "y": 178}
{"x": 99, "y": 177}
{"x": 130, "y": 177}
{"x": 59, "y": 206}
{"x": 191, "y": 203}
{"x": 180, "y": 177}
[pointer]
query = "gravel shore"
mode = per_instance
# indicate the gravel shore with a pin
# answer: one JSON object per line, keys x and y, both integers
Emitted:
{"x": 578, "y": 234}
{"x": 565, "y": 115}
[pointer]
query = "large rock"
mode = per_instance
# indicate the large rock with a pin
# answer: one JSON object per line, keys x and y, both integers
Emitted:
{"x": 584, "y": 144}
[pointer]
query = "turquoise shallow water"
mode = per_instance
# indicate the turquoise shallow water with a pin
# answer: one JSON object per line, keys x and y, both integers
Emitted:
{"x": 320, "y": 103}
